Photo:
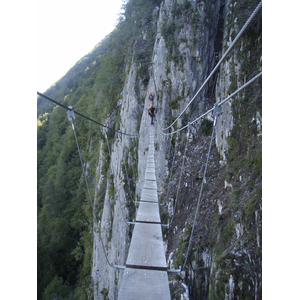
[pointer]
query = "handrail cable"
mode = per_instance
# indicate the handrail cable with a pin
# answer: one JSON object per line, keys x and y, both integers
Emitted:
{"x": 221, "y": 103}
{"x": 108, "y": 145}
{"x": 157, "y": 96}
{"x": 70, "y": 109}
{"x": 178, "y": 187}
{"x": 220, "y": 61}
{"x": 105, "y": 130}
{"x": 79, "y": 114}
{"x": 217, "y": 113}
{"x": 171, "y": 170}
{"x": 71, "y": 116}
{"x": 128, "y": 184}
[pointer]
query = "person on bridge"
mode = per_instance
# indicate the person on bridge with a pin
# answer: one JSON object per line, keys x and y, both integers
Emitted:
{"x": 151, "y": 98}
{"x": 151, "y": 113}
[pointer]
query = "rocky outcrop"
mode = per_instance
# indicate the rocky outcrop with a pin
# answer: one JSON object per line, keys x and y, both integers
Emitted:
{"x": 188, "y": 43}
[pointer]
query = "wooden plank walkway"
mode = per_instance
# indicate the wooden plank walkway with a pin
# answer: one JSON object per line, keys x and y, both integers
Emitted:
{"x": 145, "y": 276}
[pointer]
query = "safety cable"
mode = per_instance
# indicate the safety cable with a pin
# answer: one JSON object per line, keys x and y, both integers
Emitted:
{"x": 221, "y": 103}
{"x": 217, "y": 113}
{"x": 171, "y": 171}
{"x": 79, "y": 114}
{"x": 178, "y": 187}
{"x": 71, "y": 116}
{"x": 220, "y": 61}
{"x": 105, "y": 129}
{"x": 128, "y": 184}
{"x": 157, "y": 96}
{"x": 108, "y": 145}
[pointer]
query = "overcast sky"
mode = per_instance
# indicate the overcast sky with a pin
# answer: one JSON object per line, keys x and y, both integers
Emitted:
{"x": 66, "y": 31}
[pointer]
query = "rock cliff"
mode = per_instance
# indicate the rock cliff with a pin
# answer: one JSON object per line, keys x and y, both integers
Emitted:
{"x": 225, "y": 259}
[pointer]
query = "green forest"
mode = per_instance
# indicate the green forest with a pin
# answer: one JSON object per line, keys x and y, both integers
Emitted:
{"x": 64, "y": 214}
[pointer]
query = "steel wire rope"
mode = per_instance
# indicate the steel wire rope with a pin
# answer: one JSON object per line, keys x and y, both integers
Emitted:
{"x": 157, "y": 96}
{"x": 79, "y": 114}
{"x": 107, "y": 144}
{"x": 122, "y": 208}
{"x": 178, "y": 187}
{"x": 171, "y": 169}
{"x": 133, "y": 201}
{"x": 200, "y": 194}
{"x": 168, "y": 192}
{"x": 112, "y": 170}
{"x": 129, "y": 186}
{"x": 90, "y": 197}
{"x": 221, "y": 103}
{"x": 128, "y": 183}
{"x": 220, "y": 61}
{"x": 125, "y": 219}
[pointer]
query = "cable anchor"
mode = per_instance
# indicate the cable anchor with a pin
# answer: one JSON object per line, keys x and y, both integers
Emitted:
{"x": 71, "y": 115}
{"x": 104, "y": 128}
{"x": 217, "y": 112}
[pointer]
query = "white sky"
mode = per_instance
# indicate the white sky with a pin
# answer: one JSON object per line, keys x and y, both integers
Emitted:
{"x": 66, "y": 31}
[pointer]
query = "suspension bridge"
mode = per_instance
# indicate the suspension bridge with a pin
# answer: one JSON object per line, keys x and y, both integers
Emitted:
{"x": 146, "y": 271}
{"x": 145, "y": 275}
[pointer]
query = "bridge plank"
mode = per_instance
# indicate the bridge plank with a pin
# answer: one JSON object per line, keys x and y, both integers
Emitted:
{"x": 150, "y": 165}
{"x": 150, "y": 170}
{"x": 146, "y": 248}
{"x": 149, "y": 195}
{"x": 150, "y": 176}
{"x": 145, "y": 276}
{"x": 148, "y": 212}
{"x": 144, "y": 284}
{"x": 150, "y": 185}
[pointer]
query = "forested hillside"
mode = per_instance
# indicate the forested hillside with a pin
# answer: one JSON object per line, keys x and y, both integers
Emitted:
{"x": 93, "y": 88}
{"x": 167, "y": 47}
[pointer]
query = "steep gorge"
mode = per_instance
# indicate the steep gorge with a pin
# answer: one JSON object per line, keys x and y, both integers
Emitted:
{"x": 173, "y": 48}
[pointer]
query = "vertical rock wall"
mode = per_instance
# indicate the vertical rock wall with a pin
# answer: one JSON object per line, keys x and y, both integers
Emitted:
{"x": 181, "y": 61}
{"x": 170, "y": 80}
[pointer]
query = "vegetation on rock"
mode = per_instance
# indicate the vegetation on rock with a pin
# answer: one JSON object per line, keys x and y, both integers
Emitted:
{"x": 228, "y": 228}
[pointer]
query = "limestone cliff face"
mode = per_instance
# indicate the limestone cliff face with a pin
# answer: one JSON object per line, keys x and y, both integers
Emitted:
{"x": 115, "y": 231}
{"x": 188, "y": 43}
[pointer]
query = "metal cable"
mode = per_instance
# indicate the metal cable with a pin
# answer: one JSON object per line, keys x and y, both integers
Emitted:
{"x": 94, "y": 214}
{"x": 182, "y": 167}
{"x": 221, "y": 103}
{"x": 108, "y": 145}
{"x": 171, "y": 173}
{"x": 157, "y": 96}
{"x": 79, "y": 114}
{"x": 200, "y": 194}
{"x": 128, "y": 184}
{"x": 220, "y": 61}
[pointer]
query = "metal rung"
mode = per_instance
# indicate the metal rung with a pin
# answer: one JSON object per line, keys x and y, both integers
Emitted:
{"x": 174, "y": 271}
{"x": 119, "y": 267}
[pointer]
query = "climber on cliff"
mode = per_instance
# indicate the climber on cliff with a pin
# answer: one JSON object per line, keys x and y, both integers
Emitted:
{"x": 151, "y": 98}
{"x": 151, "y": 112}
